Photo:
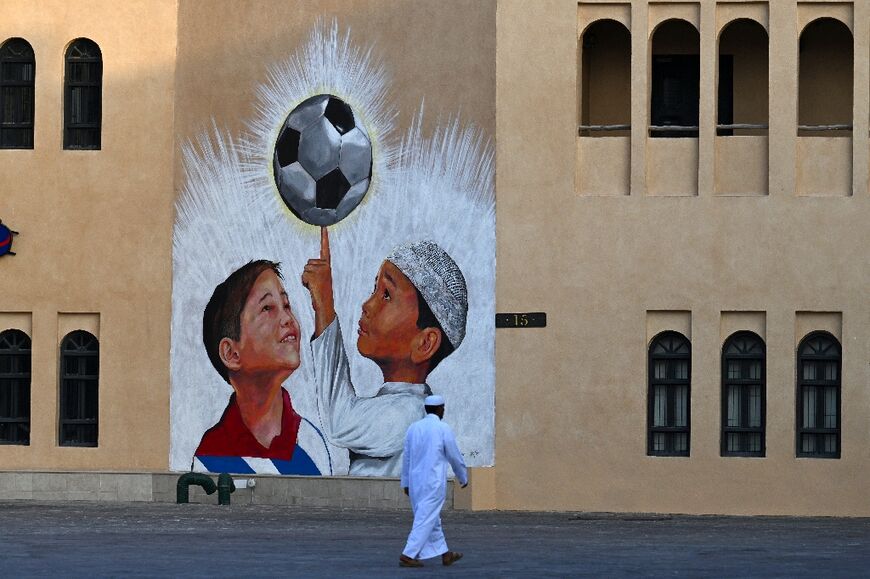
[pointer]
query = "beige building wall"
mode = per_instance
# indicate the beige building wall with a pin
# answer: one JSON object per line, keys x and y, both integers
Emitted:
{"x": 617, "y": 237}
{"x": 94, "y": 250}
{"x": 775, "y": 257}
{"x": 443, "y": 53}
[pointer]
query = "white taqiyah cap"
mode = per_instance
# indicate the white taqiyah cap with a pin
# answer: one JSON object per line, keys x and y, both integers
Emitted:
{"x": 439, "y": 280}
{"x": 433, "y": 400}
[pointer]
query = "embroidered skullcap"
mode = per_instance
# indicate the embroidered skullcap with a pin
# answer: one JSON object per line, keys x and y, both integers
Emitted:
{"x": 433, "y": 400}
{"x": 439, "y": 280}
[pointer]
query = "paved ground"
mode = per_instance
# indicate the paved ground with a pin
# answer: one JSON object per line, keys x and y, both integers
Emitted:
{"x": 148, "y": 539}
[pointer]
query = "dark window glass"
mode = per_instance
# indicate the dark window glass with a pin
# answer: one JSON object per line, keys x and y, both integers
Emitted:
{"x": 79, "y": 389}
{"x": 818, "y": 396}
{"x": 14, "y": 387}
{"x": 83, "y": 96}
{"x": 743, "y": 395}
{"x": 674, "y": 80}
{"x": 725, "y": 106}
{"x": 17, "y": 77}
{"x": 675, "y": 93}
{"x": 670, "y": 371}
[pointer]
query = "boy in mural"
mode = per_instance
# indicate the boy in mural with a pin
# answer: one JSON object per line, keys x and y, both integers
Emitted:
{"x": 414, "y": 318}
{"x": 252, "y": 340}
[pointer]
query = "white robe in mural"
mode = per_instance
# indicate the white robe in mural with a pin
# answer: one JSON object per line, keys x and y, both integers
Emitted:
{"x": 429, "y": 448}
{"x": 371, "y": 428}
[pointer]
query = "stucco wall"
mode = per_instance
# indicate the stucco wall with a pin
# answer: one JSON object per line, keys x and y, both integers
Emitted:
{"x": 95, "y": 229}
{"x": 443, "y": 53}
{"x": 780, "y": 252}
{"x": 572, "y": 397}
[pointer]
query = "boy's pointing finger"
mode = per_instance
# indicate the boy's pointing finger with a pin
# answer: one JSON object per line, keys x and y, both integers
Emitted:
{"x": 324, "y": 244}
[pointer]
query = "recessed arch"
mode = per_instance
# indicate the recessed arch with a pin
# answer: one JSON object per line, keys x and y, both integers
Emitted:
{"x": 17, "y": 94}
{"x": 743, "y": 395}
{"x": 15, "y": 365}
{"x": 669, "y": 394}
{"x": 819, "y": 365}
{"x": 605, "y": 78}
{"x": 742, "y": 81}
{"x": 79, "y": 389}
{"x": 674, "y": 79}
{"x": 83, "y": 100}
{"x": 825, "y": 78}
{"x": 670, "y": 22}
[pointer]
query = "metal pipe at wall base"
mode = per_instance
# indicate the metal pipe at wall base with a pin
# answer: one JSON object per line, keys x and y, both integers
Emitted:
{"x": 182, "y": 488}
{"x": 225, "y": 486}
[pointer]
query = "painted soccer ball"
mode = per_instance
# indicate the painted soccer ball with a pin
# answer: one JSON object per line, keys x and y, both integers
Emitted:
{"x": 323, "y": 160}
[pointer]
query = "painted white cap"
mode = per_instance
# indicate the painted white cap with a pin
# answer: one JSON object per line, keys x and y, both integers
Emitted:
{"x": 433, "y": 400}
{"x": 439, "y": 280}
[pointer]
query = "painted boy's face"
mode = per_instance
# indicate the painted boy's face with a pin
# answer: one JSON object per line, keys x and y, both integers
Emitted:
{"x": 389, "y": 317}
{"x": 269, "y": 340}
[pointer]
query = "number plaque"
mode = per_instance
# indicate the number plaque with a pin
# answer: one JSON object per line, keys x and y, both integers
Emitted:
{"x": 521, "y": 320}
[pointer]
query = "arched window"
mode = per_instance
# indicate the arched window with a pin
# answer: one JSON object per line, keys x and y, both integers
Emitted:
{"x": 743, "y": 79}
{"x": 83, "y": 95}
{"x": 17, "y": 77}
{"x": 14, "y": 387}
{"x": 605, "y": 79}
{"x": 825, "y": 81}
{"x": 818, "y": 396}
{"x": 79, "y": 392}
{"x": 743, "y": 395}
{"x": 676, "y": 69}
{"x": 670, "y": 361}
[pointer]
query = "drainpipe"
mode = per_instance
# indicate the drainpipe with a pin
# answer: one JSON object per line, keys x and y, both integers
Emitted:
{"x": 182, "y": 491}
{"x": 225, "y": 486}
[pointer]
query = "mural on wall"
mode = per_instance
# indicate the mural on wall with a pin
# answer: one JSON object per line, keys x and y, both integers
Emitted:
{"x": 329, "y": 274}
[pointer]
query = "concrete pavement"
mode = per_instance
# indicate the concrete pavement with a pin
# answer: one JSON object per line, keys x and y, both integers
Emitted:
{"x": 152, "y": 539}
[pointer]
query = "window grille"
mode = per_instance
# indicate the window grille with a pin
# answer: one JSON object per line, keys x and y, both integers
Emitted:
{"x": 743, "y": 396}
{"x": 83, "y": 95}
{"x": 79, "y": 393}
{"x": 818, "y": 396}
{"x": 14, "y": 387}
{"x": 17, "y": 77}
{"x": 670, "y": 361}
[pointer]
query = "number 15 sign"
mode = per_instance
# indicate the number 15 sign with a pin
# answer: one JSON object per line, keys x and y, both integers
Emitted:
{"x": 521, "y": 320}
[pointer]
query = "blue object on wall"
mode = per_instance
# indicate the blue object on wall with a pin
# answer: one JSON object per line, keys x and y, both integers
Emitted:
{"x": 6, "y": 239}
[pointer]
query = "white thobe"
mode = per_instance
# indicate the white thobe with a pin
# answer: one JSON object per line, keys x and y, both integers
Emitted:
{"x": 371, "y": 428}
{"x": 429, "y": 448}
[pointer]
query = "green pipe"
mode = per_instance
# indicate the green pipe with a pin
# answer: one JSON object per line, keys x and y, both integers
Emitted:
{"x": 225, "y": 486}
{"x": 182, "y": 491}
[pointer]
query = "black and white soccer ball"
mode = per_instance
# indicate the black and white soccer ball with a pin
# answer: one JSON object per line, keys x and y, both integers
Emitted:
{"x": 323, "y": 160}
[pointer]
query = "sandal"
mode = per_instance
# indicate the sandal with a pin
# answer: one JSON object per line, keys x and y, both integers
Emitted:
{"x": 450, "y": 557}
{"x": 405, "y": 561}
